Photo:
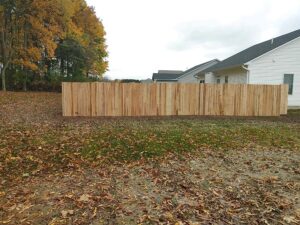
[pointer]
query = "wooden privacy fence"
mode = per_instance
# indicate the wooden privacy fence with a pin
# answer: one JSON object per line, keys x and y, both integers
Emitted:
{"x": 167, "y": 99}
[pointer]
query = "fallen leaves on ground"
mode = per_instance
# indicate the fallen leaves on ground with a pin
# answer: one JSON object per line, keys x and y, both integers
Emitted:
{"x": 190, "y": 170}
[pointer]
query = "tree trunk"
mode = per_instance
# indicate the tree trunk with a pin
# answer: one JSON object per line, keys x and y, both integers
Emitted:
{"x": 6, "y": 46}
{"x": 25, "y": 81}
{"x": 62, "y": 67}
{"x": 3, "y": 78}
{"x": 49, "y": 67}
{"x": 26, "y": 48}
{"x": 67, "y": 62}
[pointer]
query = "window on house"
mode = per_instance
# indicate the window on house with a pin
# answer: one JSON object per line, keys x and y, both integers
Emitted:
{"x": 202, "y": 81}
{"x": 289, "y": 80}
{"x": 226, "y": 79}
{"x": 218, "y": 81}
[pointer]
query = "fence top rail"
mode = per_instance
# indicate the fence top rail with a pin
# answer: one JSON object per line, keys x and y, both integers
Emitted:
{"x": 166, "y": 83}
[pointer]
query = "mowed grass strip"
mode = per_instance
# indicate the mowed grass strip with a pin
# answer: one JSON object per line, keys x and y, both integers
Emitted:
{"x": 135, "y": 140}
{"x": 127, "y": 140}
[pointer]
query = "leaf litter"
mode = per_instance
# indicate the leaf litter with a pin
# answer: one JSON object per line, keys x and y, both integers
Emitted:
{"x": 191, "y": 170}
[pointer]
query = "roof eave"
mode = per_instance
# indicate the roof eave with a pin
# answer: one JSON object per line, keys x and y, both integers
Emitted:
{"x": 167, "y": 79}
{"x": 247, "y": 63}
{"x": 185, "y": 73}
{"x": 224, "y": 68}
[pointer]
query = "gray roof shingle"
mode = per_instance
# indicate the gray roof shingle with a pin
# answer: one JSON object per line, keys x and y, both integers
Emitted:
{"x": 175, "y": 74}
{"x": 254, "y": 52}
{"x": 200, "y": 65}
{"x": 165, "y": 76}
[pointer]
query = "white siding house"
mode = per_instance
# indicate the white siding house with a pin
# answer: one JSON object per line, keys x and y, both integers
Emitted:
{"x": 276, "y": 61}
{"x": 192, "y": 75}
{"x": 234, "y": 76}
{"x": 271, "y": 68}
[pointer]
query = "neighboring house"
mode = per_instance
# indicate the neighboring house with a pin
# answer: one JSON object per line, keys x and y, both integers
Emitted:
{"x": 276, "y": 61}
{"x": 166, "y": 75}
{"x": 147, "y": 81}
{"x": 193, "y": 75}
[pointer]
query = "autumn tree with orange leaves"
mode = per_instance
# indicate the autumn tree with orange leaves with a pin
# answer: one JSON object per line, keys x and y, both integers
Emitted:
{"x": 41, "y": 39}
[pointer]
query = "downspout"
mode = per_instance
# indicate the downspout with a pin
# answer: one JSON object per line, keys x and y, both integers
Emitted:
{"x": 196, "y": 77}
{"x": 248, "y": 72}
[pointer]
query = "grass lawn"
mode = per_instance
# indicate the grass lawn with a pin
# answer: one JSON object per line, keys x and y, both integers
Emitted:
{"x": 187, "y": 170}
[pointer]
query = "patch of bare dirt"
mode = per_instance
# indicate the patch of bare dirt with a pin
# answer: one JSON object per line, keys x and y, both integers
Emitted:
{"x": 239, "y": 187}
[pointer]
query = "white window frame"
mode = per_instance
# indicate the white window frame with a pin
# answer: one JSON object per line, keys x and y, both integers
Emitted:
{"x": 290, "y": 91}
{"x": 226, "y": 79}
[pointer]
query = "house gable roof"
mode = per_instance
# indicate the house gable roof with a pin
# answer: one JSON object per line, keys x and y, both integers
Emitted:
{"x": 200, "y": 66}
{"x": 254, "y": 52}
{"x": 166, "y": 76}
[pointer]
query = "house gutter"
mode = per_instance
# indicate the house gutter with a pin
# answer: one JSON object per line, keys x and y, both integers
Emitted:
{"x": 248, "y": 72}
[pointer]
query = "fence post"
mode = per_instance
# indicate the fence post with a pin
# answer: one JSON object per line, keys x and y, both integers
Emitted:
{"x": 284, "y": 99}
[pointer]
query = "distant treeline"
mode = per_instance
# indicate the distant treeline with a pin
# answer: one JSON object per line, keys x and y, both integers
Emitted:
{"x": 45, "y": 42}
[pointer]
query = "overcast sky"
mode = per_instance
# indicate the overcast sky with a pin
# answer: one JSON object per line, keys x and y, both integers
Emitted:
{"x": 145, "y": 36}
